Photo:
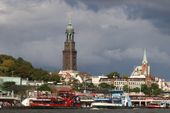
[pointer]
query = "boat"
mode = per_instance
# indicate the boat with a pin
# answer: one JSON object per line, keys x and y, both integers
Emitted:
{"x": 65, "y": 101}
{"x": 104, "y": 103}
{"x": 158, "y": 105}
{"x": 118, "y": 99}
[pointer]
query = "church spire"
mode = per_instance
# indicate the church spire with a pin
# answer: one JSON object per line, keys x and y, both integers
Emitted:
{"x": 69, "y": 21}
{"x": 145, "y": 61}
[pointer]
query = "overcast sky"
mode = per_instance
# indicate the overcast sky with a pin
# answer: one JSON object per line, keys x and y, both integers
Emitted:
{"x": 110, "y": 35}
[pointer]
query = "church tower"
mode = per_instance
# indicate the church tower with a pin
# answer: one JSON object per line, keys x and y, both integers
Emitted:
{"x": 145, "y": 66}
{"x": 146, "y": 70}
{"x": 69, "y": 52}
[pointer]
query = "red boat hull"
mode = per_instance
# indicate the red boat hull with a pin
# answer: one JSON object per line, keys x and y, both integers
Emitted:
{"x": 45, "y": 106}
{"x": 55, "y": 103}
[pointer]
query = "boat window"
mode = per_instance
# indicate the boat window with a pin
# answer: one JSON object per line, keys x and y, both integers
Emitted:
{"x": 58, "y": 102}
{"x": 43, "y": 102}
{"x": 104, "y": 101}
{"x": 117, "y": 101}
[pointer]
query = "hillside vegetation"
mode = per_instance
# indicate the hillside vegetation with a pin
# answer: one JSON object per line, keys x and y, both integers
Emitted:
{"x": 10, "y": 66}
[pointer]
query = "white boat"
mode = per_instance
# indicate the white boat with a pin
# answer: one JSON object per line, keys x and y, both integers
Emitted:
{"x": 118, "y": 99}
{"x": 26, "y": 102}
{"x": 105, "y": 103}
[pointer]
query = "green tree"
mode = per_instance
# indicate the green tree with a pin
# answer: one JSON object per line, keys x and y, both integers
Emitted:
{"x": 76, "y": 85}
{"x": 54, "y": 77}
{"x": 39, "y": 74}
{"x": 21, "y": 68}
{"x": 106, "y": 86}
{"x": 23, "y": 71}
{"x": 145, "y": 89}
{"x": 8, "y": 86}
{"x": 155, "y": 90}
{"x": 126, "y": 88}
{"x": 136, "y": 90}
{"x": 125, "y": 76}
{"x": 8, "y": 63}
{"x": 90, "y": 85}
{"x": 11, "y": 86}
{"x": 152, "y": 90}
{"x": 113, "y": 75}
{"x": 44, "y": 87}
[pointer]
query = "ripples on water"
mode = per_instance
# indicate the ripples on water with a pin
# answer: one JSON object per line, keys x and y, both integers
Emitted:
{"x": 84, "y": 111}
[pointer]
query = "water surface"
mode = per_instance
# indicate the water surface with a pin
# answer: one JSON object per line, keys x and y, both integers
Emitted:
{"x": 84, "y": 111}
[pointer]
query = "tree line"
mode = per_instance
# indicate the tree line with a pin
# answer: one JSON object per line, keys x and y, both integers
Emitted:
{"x": 18, "y": 67}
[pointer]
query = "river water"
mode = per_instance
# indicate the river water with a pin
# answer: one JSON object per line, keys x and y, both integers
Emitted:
{"x": 85, "y": 111}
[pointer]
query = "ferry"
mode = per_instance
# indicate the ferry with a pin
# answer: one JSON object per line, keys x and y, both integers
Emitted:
{"x": 53, "y": 102}
{"x": 118, "y": 99}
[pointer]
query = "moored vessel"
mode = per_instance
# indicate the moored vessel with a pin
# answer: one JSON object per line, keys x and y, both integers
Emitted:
{"x": 62, "y": 101}
{"x": 117, "y": 99}
{"x": 158, "y": 105}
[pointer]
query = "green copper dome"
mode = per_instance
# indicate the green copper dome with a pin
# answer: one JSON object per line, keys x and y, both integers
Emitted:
{"x": 70, "y": 28}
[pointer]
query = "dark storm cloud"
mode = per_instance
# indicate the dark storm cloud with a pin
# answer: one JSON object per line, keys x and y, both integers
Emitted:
{"x": 110, "y": 35}
{"x": 157, "y": 11}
